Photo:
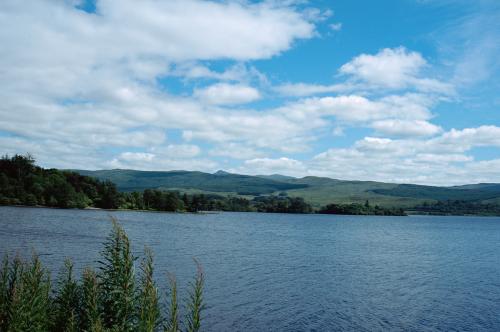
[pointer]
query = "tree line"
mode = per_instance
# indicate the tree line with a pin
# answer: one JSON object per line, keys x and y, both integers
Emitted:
{"x": 458, "y": 207}
{"x": 361, "y": 209}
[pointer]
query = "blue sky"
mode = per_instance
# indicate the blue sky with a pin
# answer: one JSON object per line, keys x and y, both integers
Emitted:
{"x": 394, "y": 90}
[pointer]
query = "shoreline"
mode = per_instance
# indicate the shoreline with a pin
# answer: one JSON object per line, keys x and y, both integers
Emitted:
{"x": 409, "y": 213}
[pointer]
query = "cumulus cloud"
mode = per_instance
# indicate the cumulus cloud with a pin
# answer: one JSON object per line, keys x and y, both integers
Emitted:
{"x": 442, "y": 160}
{"x": 390, "y": 68}
{"x": 394, "y": 69}
{"x": 411, "y": 128}
{"x": 180, "y": 156}
{"x": 90, "y": 79}
{"x": 227, "y": 94}
{"x": 360, "y": 109}
{"x": 236, "y": 151}
{"x": 178, "y": 150}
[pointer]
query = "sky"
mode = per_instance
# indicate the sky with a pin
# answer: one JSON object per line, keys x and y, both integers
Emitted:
{"x": 404, "y": 91}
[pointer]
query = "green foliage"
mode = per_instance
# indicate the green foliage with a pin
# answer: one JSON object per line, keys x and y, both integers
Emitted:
{"x": 22, "y": 182}
{"x": 149, "y": 311}
{"x": 67, "y": 301}
{"x": 282, "y": 204}
{"x": 361, "y": 209}
{"x": 173, "y": 311}
{"x": 131, "y": 180}
{"x": 4, "y": 293}
{"x": 29, "y": 304}
{"x": 464, "y": 193}
{"x": 458, "y": 208}
{"x": 118, "y": 281}
{"x": 162, "y": 200}
{"x": 195, "y": 304}
{"x": 91, "y": 316}
{"x": 111, "y": 300}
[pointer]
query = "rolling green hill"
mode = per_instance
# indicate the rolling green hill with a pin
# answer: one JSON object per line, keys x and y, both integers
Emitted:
{"x": 318, "y": 191}
{"x": 131, "y": 180}
{"x": 465, "y": 193}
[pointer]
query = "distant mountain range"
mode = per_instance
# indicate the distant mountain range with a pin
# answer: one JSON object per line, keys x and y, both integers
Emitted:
{"x": 318, "y": 191}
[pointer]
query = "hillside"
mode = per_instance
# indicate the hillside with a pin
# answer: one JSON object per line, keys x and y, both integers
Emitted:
{"x": 465, "y": 193}
{"x": 220, "y": 182}
{"x": 318, "y": 191}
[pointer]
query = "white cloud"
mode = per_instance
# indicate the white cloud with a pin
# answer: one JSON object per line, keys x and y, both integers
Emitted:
{"x": 178, "y": 151}
{"x": 437, "y": 161}
{"x": 395, "y": 68}
{"x": 136, "y": 157}
{"x": 236, "y": 151}
{"x": 392, "y": 68}
{"x": 441, "y": 158}
{"x": 79, "y": 77}
{"x": 359, "y": 109}
{"x": 303, "y": 89}
{"x": 157, "y": 163}
{"x": 465, "y": 139}
{"x": 239, "y": 72}
{"x": 227, "y": 94}
{"x": 172, "y": 156}
{"x": 408, "y": 128}
{"x": 193, "y": 29}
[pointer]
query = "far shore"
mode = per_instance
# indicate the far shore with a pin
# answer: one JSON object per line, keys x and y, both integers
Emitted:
{"x": 91, "y": 208}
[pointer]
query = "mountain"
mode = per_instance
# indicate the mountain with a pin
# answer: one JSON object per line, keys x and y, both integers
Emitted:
{"x": 221, "y": 172}
{"x": 131, "y": 180}
{"x": 318, "y": 191}
{"x": 277, "y": 177}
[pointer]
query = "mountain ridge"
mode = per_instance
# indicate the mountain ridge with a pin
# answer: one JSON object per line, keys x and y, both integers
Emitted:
{"x": 318, "y": 191}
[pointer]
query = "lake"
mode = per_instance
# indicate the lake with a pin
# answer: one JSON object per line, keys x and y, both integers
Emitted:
{"x": 282, "y": 272}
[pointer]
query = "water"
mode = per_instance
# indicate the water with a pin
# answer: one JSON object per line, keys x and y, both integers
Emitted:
{"x": 279, "y": 272}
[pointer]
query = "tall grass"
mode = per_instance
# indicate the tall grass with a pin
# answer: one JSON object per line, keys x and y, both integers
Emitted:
{"x": 111, "y": 298}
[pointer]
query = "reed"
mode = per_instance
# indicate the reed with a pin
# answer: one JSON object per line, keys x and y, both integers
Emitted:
{"x": 29, "y": 304}
{"x": 195, "y": 304}
{"x": 173, "y": 313}
{"x": 149, "y": 310}
{"x": 91, "y": 315}
{"x": 111, "y": 299}
{"x": 66, "y": 301}
{"x": 117, "y": 279}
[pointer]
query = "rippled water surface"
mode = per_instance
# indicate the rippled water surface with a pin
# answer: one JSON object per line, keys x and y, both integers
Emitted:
{"x": 279, "y": 272}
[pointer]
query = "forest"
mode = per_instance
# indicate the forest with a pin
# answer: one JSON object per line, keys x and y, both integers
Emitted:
{"x": 361, "y": 209}
{"x": 458, "y": 207}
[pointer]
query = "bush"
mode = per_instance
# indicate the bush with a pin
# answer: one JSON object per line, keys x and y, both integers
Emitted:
{"x": 112, "y": 299}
